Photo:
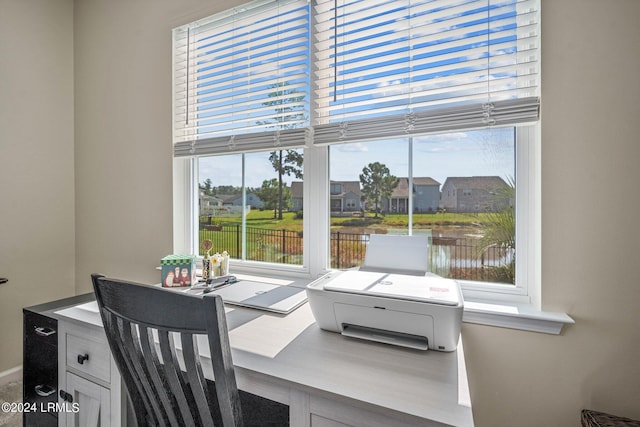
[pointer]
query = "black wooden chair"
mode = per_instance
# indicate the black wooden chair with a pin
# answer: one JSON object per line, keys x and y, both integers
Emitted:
{"x": 141, "y": 323}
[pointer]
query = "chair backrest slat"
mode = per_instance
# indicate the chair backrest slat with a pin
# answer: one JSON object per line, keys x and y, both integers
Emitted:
{"x": 115, "y": 335}
{"x": 163, "y": 392}
{"x": 221, "y": 361}
{"x": 152, "y": 364}
{"x": 173, "y": 374}
{"x": 196, "y": 380}
{"x": 136, "y": 358}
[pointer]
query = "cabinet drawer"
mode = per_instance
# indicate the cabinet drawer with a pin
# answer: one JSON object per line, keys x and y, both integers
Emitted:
{"x": 89, "y": 355}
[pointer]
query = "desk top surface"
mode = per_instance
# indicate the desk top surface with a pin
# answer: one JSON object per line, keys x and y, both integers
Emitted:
{"x": 292, "y": 348}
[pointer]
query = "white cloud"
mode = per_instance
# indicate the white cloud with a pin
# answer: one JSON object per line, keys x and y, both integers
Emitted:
{"x": 357, "y": 147}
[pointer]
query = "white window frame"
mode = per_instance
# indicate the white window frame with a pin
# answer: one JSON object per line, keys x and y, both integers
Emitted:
{"x": 316, "y": 229}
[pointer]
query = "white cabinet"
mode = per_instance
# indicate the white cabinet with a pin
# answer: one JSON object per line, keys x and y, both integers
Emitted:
{"x": 88, "y": 378}
{"x": 93, "y": 406}
{"x": 325, "y": 379}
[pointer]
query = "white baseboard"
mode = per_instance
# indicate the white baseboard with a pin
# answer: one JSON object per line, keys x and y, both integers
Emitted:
{"x": 11, "y": 375}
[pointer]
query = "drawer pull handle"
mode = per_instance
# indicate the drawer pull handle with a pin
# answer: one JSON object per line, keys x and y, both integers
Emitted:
{"x": 44, "y": 332}
{"x": 44, "y": 390}
{"x": 66, "y": 396}
{"x": 82, "y": 358}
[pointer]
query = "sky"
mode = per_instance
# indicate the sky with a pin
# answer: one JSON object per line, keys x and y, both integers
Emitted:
{"x": 473, "y": 153}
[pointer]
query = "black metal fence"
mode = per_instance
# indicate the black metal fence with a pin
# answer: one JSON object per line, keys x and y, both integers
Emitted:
{"x": 452, "y": 257}
{"x": 348, "y": 249}
{"x": 280, "y": 246}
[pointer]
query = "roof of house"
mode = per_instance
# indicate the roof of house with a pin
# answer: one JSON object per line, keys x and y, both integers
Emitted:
{"x": 425, "y": 181}
{"x": 228, "y": 198}
{"x": 347, "y": 187}
{"x": 477, "y": 182}
{"x": 402, "y": 190}
{"x": 210, "y": 198}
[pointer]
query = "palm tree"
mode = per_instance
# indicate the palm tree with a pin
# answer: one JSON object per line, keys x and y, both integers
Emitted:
{"x": 500, "y": 234}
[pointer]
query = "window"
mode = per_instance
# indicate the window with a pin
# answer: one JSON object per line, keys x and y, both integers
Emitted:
{"x": 243, "y": 210}
{"x": 466, "y": 242}
{"x": 406, "y": 89}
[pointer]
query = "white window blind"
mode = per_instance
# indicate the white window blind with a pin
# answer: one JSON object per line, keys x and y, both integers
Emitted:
{"x": 465, "y": 117}
{"x": 241, "y": 79}
{"x": 381, "y": 68}
{"x": 412, "y": 63}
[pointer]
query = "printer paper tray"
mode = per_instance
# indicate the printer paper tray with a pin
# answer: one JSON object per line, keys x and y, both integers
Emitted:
{"x": 388, "y": 337}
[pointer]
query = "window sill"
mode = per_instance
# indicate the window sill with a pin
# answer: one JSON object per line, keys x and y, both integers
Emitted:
{"x": 490, "y": 313}
{"x": 515, "y": 316}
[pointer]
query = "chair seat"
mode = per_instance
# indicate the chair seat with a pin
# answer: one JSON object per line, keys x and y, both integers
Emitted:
{"x": 600, "y": 419}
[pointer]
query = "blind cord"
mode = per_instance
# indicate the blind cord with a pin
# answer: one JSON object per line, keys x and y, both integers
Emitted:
{"x": 335, "y": 50}
{"x": 188, "y": 61}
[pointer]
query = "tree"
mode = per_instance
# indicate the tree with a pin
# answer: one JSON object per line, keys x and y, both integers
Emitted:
{"x": 227, "y": 189}
{"x": 289, "y": 108}
{"x": 377, "y": 184}
{"x": 271, "y": 192}
{"x": 207, "y": 187}
{"x": 500, "y": 234}
{"x": 285, "y": 162}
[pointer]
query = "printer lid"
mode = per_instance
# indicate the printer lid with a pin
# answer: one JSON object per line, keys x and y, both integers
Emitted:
{"x": 431, "y": 289}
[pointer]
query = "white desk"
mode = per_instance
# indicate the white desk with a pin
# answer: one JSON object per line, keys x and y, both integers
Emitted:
{"x": 329, "y": 380}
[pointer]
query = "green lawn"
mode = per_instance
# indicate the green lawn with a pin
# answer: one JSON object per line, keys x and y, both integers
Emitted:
{"x": 281, "y": 241}
{"x": 419, "y": 220}
{"x": 263, "y": 219}
{"x": 289, "y": 221}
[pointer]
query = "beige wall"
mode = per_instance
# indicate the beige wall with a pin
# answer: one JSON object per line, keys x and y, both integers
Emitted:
{"x": 590, "y": 236}
{"x": 37, "y": 250}
{"x": 123, "y": 133}
{"x": 590, "y": 254}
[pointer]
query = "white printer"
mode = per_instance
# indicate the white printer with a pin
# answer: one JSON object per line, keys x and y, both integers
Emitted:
{"x": 421, "y": 312}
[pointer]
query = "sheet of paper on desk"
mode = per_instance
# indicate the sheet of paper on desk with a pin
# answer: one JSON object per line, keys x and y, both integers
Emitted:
{"x": 267, "y": 335}
{"x": 263, "y": 296}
